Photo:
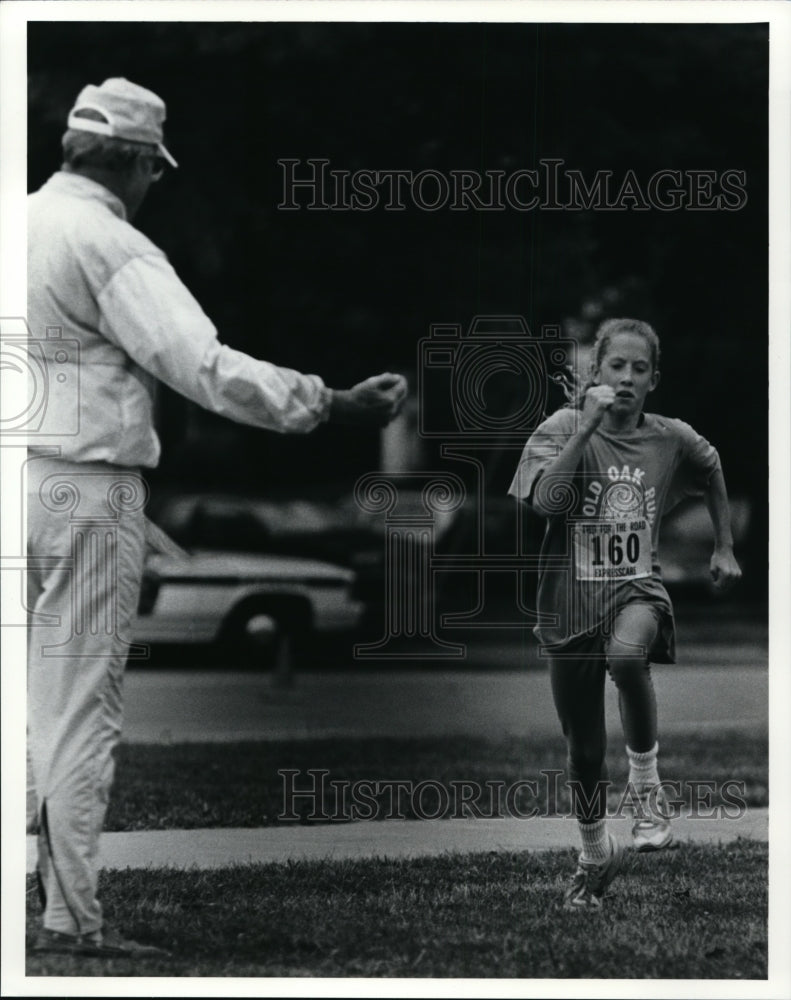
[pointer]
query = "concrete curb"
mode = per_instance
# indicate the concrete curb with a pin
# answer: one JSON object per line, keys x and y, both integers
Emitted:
{"x": 218, "y": 848}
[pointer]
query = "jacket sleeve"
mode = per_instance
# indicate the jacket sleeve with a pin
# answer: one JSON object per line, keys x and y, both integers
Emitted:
{"x": 148, "y": 312}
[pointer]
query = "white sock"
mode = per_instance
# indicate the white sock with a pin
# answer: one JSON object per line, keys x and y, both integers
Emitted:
{"x": 595, "y": 841}
{"x": 643, "y": 773}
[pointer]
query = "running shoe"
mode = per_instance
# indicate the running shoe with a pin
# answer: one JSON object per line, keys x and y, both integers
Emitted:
{"x": 651, "y": 830}
{"x": 592, "y": 879}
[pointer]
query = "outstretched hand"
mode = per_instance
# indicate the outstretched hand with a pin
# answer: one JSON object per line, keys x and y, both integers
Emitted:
{"x": 725, "y": 571}
{"x": 371, "y": 403}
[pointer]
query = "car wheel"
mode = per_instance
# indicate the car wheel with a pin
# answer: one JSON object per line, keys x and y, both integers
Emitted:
{"x": 259, "y": 636}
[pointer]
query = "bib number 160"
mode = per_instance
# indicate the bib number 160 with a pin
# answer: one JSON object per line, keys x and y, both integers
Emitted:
{"x": 615, "y": 549}
{"x": 604, "y": 551}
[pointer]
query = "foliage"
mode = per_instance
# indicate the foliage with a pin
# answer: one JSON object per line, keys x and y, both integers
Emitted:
{"x": 344, "y": 293}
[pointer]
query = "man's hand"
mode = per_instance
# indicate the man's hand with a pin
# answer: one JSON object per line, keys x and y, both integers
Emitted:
{"x": 725, "y": 570}
{"x": 372, "y": 403}
{"x": 598, "y": 399}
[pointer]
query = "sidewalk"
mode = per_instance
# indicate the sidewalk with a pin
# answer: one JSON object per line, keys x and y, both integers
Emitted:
{"x": 185, "y": 849}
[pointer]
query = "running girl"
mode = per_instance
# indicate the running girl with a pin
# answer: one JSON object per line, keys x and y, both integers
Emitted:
{"x": 604, "y": 473}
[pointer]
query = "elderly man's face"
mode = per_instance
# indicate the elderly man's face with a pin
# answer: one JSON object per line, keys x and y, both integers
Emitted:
{"x": 145, "y": 170}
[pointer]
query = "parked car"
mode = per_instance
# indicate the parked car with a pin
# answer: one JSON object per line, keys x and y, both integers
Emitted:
{"x": 238, "y": 601}
{"x": 310, "y": 568}
{"x": 335, "y": 531}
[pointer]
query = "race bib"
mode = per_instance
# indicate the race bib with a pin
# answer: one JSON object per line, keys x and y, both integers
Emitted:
{"x": 612, "y": 550}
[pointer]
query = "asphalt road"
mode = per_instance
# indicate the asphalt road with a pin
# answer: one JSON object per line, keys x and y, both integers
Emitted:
{"x": 715, "y": 686}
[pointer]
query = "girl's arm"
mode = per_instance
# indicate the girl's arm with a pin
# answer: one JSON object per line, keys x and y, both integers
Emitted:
{"x": 725, "y": 571}
{"x": 561, "y": 470}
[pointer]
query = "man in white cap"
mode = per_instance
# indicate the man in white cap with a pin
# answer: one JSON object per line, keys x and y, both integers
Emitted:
{"x": 95, "y": 279}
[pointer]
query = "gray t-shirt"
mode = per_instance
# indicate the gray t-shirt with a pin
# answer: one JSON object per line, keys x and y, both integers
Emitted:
{"x": 600, "y": 547}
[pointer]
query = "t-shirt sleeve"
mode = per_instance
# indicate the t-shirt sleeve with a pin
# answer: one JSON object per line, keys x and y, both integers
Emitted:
{"x": 698, "y": 462}
{"x": 543, "y": 446}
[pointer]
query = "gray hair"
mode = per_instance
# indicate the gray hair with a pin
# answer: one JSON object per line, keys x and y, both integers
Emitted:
{"x": 87, "y": 149}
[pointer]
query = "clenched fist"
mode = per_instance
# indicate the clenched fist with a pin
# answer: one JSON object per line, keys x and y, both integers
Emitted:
{"x": 725, "y": 571}
{"x": 598, "y": 399}
{"x": 372, "y": 403}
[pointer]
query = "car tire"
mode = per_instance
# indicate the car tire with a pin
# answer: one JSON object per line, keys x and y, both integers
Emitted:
{"x": 263, "y": 635}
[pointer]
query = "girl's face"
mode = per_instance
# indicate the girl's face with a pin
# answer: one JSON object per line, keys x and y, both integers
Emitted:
{"x": 627, "y": 367}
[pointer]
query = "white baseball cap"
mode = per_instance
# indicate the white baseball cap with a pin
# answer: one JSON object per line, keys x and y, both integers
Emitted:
{"x": 130, "y": 112}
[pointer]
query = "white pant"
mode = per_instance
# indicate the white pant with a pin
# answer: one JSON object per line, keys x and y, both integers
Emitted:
{"x": 86, "y": 544}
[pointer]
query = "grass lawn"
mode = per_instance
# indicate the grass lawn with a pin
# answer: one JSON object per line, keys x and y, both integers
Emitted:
{"x": 697, "y": 912}
{"x": 195, "y": 785}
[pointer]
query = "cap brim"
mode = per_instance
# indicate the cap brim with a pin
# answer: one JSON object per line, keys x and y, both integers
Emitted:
{"x": 163, "y": 152}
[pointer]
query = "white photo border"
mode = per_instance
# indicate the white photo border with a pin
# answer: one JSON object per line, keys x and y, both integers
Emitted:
{"x": 14, "y": 18}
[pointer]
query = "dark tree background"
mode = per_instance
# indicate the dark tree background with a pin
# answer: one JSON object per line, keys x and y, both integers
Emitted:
{"x": 345, "y": 294}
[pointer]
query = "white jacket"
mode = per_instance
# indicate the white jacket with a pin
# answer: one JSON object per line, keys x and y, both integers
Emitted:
{"x": 108, "y": 313}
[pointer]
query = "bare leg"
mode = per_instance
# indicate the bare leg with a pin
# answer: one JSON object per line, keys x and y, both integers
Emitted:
{"x": 634, "y": 634}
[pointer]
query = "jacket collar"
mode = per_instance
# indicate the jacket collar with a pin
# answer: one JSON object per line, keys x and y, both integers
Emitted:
{"x": 78, "y": 186}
